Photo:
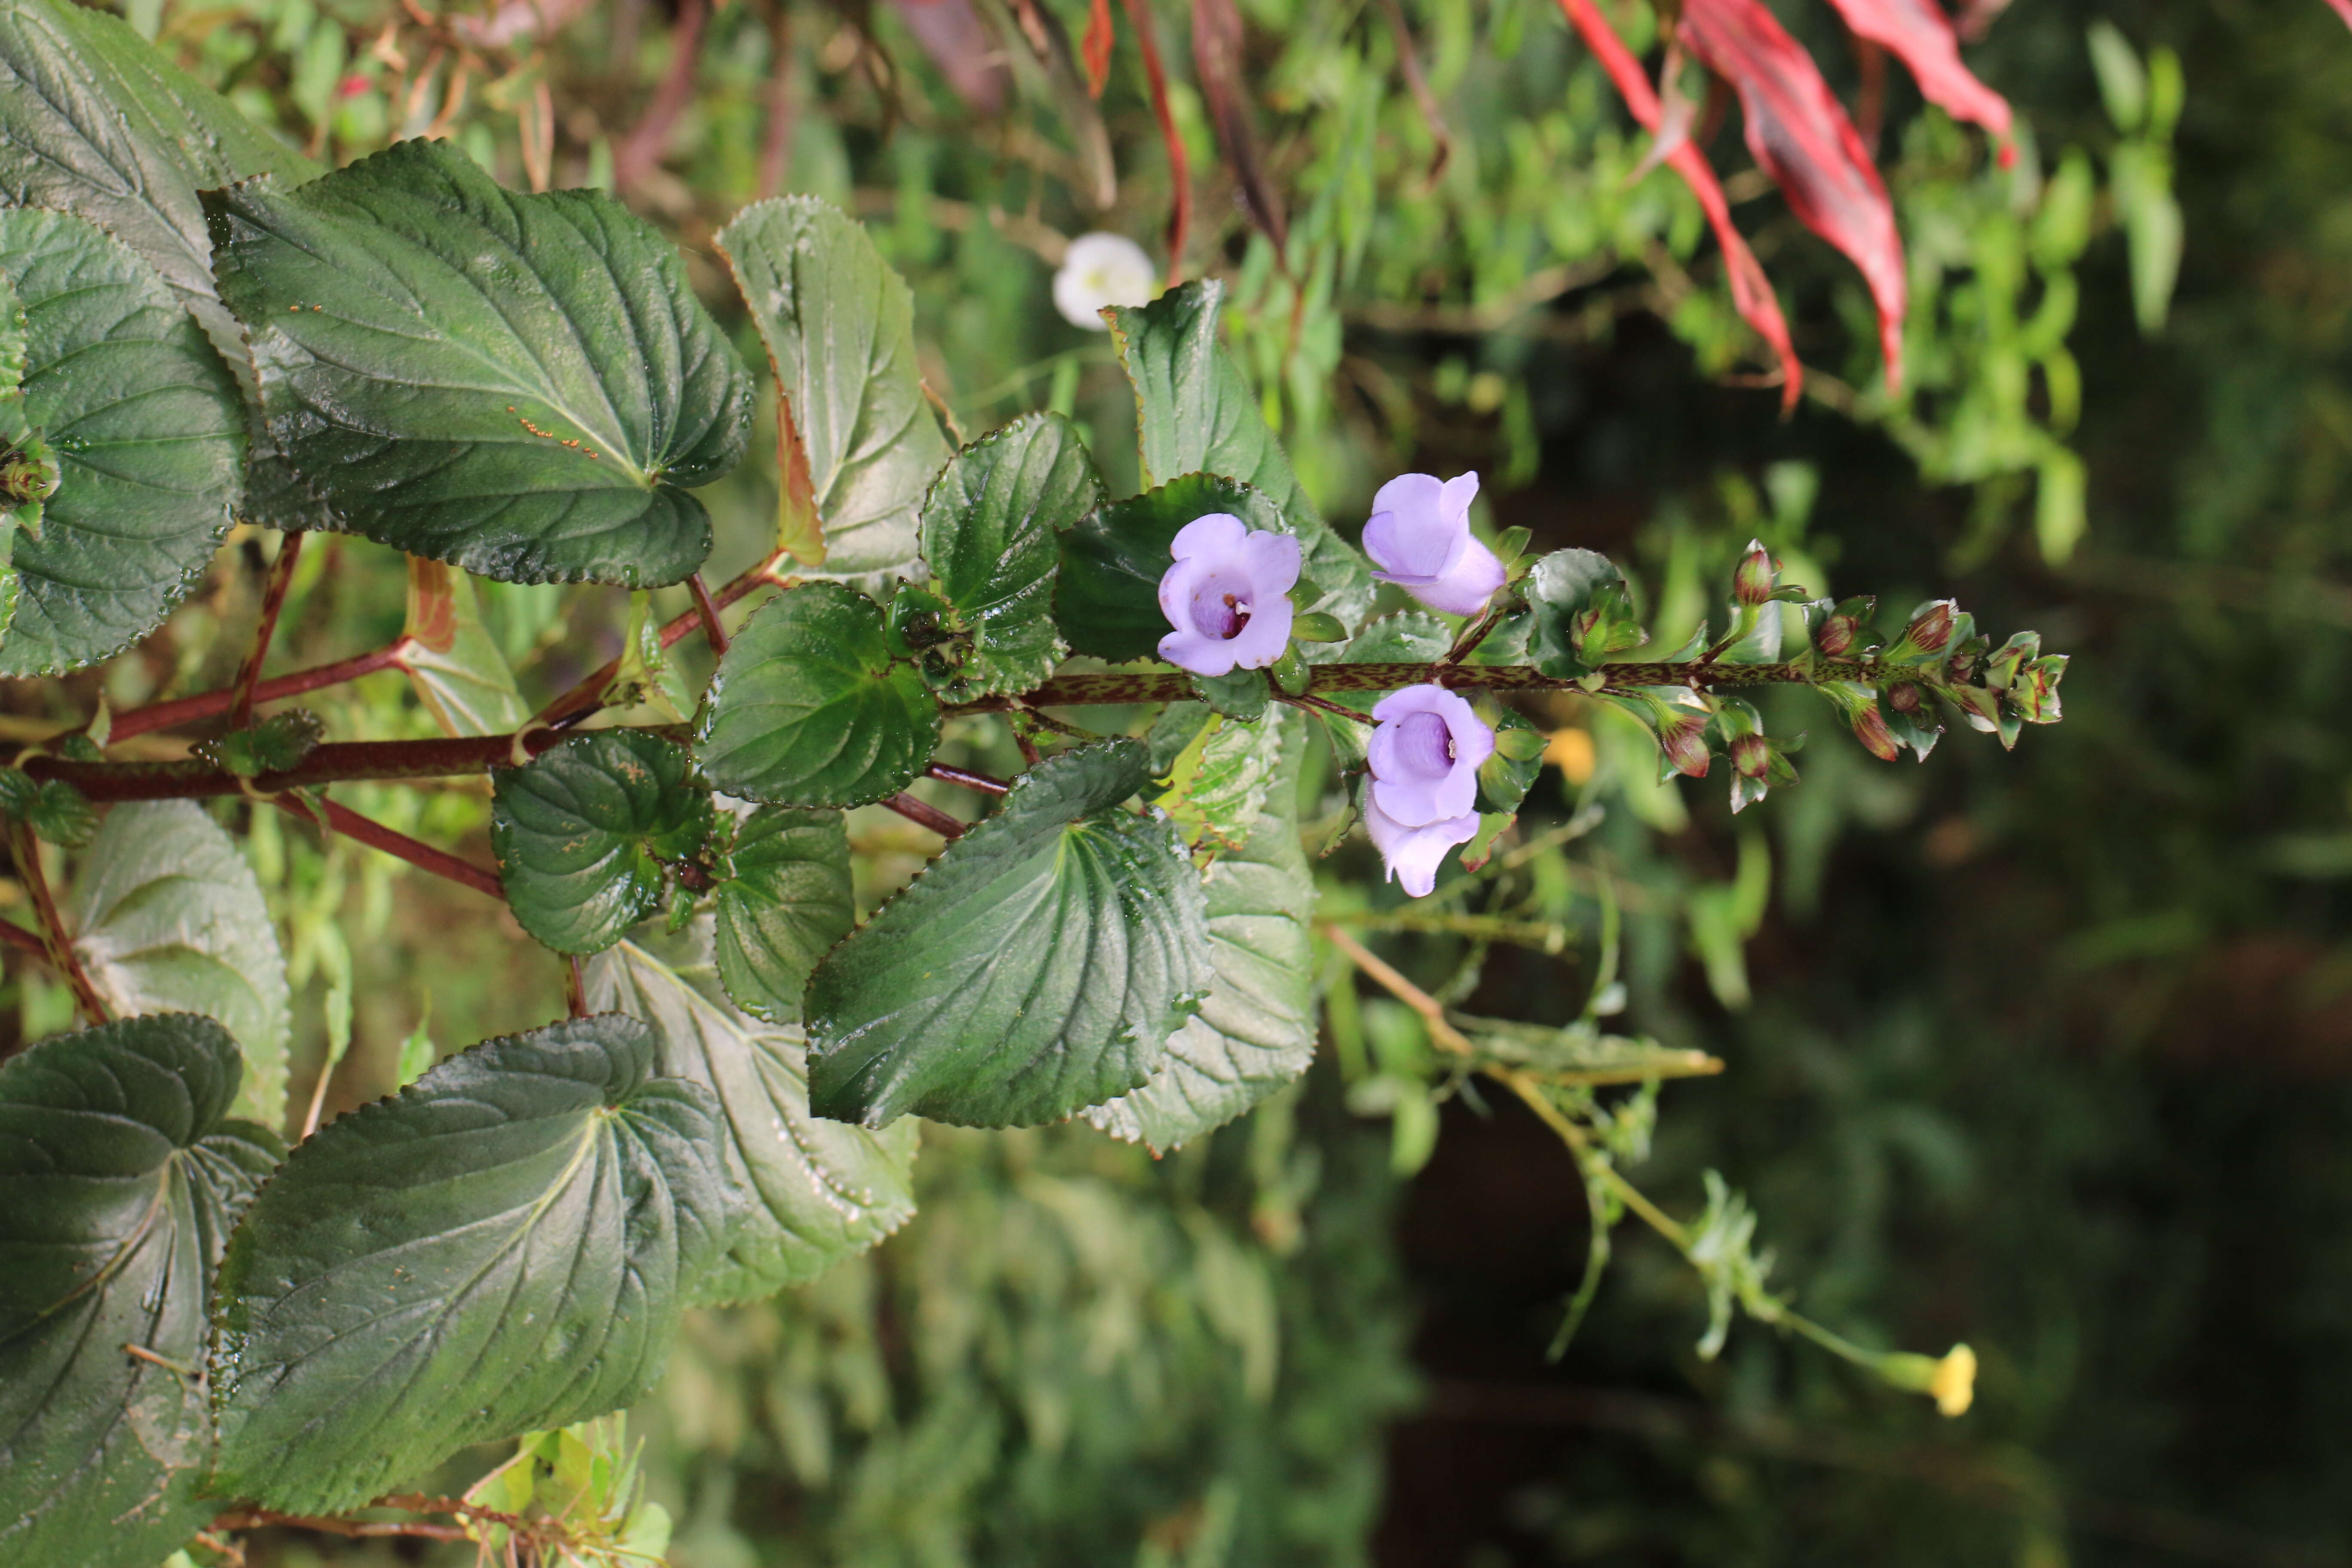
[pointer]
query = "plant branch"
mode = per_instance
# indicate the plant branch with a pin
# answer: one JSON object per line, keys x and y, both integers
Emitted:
{"x": 56, "y": 937}
{"x": 400, "y": 845}
{"x": 211, "y": 704}
{"x": 984, "y": 783}
{"x": 587, "y": 695}
{"x": 1111, "y": 687}
{"x": 273, "y": 600}
{"x": 648, "y": 143}
{"x": 23, "y": 941}
{"x": 923, "y": 814}
{"x": 353, "y": 1528}
{"x": 712, "y": 626}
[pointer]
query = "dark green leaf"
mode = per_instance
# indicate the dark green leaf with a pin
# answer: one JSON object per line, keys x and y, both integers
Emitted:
{"x": 1035, "y": 968}
{"x": 148, "y": 435}
{"x": 1107, "y": 599}
{"x": 814, "y": 1192}
{"x": 583, "y": 834}
{"x": 785, "y": 904}
{"x": 168, "y": 917}
{"x": 119, "y": 1181}
{"x": 1257, "y": 1029}
{"x": 503, "y": 1246}
{"x": 521, "y": 386}
{"x": 840, "y": 330}
{"x": 1581, "y": 613}
{"x": 991, "y": 531}
{"x": 1505, "y": 778}
{"x": 1195, "y": 414}
{"x": 814, "y": 704}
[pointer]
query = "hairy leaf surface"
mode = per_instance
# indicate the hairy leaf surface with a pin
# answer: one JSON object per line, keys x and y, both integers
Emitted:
{"x": 853, "y": 425}
{"x": 503, "y": 1246}
{"x": 119, "y": 1181}
{"x": 581, "y": 833}
{"x": 1108, "y": 595}
{"x": 168, "y": 917}
{"x": 521, "y": 386}
{"x": 787, "y": 902}
{"x": 991, "y": 532}
{"x": 1195, "y": 414}
{"x": 814, "y": 704}
{"x": 1035, "y": 968}
{"x": 814, "y": 1192}
{"x": 147, "y": 433}
{"x": 1257, "y": 1029}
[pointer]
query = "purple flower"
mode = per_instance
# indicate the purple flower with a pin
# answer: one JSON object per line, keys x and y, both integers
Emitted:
{"x": 1413, "y": 853}
{"x": 1422, "y": 799}
{"x": 1227, "y": 595}
{"x": 1419, "y": 535}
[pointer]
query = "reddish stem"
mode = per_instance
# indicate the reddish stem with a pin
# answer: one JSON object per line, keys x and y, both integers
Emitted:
{"x": 1179, "y": 167}
{"x": 355, "y": 1529}
{"x": 400, "y": 845}
{"x": 584, "y": 698}
{"x": 712, "y": 627}
{"x": 984, "y": 783}
{"x": 23, "y": 941}
{"x": 642, "y": 151}
{"x": 923, "y": 814}
{"x": 211, "y": 704}
{"x": 273, "y": 599}
{"x": 575, "y": 988}
{"x": 58, "y": 941}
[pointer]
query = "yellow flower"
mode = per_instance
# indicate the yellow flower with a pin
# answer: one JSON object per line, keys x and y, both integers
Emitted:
{"x": 1954, "y": 1383}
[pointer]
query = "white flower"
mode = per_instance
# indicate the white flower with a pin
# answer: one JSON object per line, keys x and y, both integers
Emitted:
{"x": 1101, "y": 269}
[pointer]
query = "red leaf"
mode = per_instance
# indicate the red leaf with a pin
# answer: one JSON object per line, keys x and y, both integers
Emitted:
{"x": 951, "y": 33}
{"x": 1801, "y": 137}
{"x": 1751, "y": 291}
{"x": 2342, "y": 9}
{"x": 1218, "y": 66}
{"x": 1179, "y": 170}
{"x": 1095, "y": 47}
{"x": 1918, "y": 34}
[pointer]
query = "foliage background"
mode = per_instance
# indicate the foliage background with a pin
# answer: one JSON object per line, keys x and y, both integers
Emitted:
{"x": 2045, "y": 1051}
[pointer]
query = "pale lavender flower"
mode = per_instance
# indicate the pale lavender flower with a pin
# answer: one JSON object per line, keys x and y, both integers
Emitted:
{"x": 1426, "y": 754}
{"x": 1420, "y": 538}
{"x": 1413, "y": 853}
{"x": 1227, "y": 595}
{"x": 1422, "y": 799}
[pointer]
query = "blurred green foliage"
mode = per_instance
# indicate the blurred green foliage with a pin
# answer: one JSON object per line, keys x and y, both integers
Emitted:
{"x": 2045, "y": 1052}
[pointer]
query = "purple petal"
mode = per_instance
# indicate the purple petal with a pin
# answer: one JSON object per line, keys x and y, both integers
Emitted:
{"x": 1262, "y": 641}
{"x": 1407, "y": 533}
{"x": 1454, "y": 504}
{"x": 1272, "y": 562}
{"x": 1211, "y": 533}
{"x": 1466, "y": 585}
{"x": 1201, "y": 655}
{"x": 1414, "y": 852}
{"x": 1424, "y": 756}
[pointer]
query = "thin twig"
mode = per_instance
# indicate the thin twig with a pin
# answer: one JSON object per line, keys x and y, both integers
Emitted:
{"x": 984, "y": 783}
{"x": 648, "y": 143}
{"x": 23, "y": 941}
{"x": 58, "y": 940}
{"x": 273, "y": 599}
{"x": 575, "y": 988}
{"x": 1433, "y": 1013}
{"x": 1180, "y": 168}
{"x": 353, "y": 1528}
{"x": 586, "y": 695}
{"x": 400, "y": 845}
{"x": 924, "y": 814}
{"x": 1323, "y": 705}
{"x": 712, "y": 628}
{"x": 211, "y": 704}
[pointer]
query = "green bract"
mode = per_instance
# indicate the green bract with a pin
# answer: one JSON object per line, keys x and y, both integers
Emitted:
{"x": 855, "y": 443}
{"x": 814, "y": 1192}
{"x": 521, "y": 386}
{"x": 582, "y": 832}
{"x": 990, "y": 526}
{"x": 1217, "y": 782}
{"x": 785, "y": 901}
{"x": 504, "y": 1245}
{"x": 1108, "y": 597}
{"x": 815, "y": 704}
{"x": 119, "y": 1181}
{"x": 1196, "y": 414}
{"x": 1580, "y": 613}
{"x": 168, "y": 917}
{"x": 1036, "y": 968}
{"x": 142, "y": 422}
{"x": 1256, "y": 1031}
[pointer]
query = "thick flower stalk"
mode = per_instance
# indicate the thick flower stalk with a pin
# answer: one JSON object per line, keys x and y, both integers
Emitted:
{"x": 1422, "y": 797}
{"x": 1418, "y": 536}
{"x": 1227, "y": 595}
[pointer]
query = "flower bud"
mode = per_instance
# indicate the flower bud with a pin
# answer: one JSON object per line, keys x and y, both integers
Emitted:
{"x": 1841, "y": 629}
{"x": 1930, "y": 631}
{"x": 1903, "y": 697}
{"x": 1752, "y": 580}
{"x": 1751, "y": 755}
{"x": 1318, "y": 628}
{"x": 1683, "y": 742}
{"x": 1870, "y": 728}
